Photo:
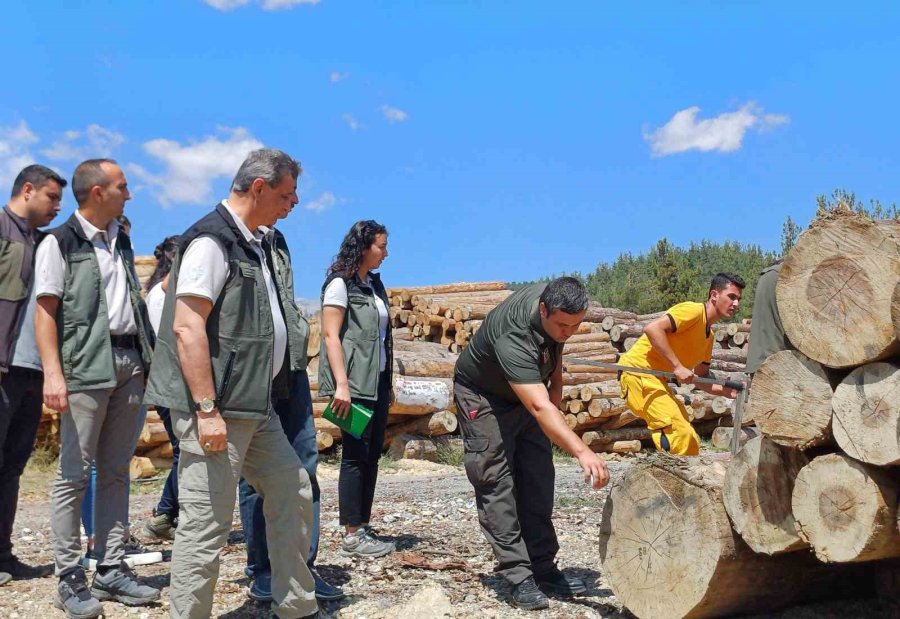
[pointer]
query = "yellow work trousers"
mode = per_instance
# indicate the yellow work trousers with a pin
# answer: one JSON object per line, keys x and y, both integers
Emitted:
{"x": 650, "y": 399}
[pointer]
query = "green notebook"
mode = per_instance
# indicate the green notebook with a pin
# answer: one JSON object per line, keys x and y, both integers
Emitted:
{"x": 354, "y": 423}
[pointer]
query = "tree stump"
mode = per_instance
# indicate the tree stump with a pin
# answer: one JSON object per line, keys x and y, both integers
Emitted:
{"x": 847, "y": 510}
{"x": 757, "y": 495}
{"x": 668, "y": 549}
{"x": 866, "y": 419}
{"x": 790, "y": 400}
{"x": 834, "y": 290}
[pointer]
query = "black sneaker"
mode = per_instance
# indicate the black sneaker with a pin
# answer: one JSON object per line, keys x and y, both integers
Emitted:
{"x": 325, "y": 591}
{"x": 527, "y": 596}
{"x": 74, "y": 597}
{"x": 120, "y": 584}
{"x": 20, "y": 571}
{"x": 559, "y": 584}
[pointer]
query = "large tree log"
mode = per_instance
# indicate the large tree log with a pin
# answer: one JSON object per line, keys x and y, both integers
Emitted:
{"x": 834, "y": 291}
{"x": 618, "y": 447}
{"x": 599, "y": 437}
{"x": 436, "y": 424}
{"x": 418, "y": 397}
{"x": 757, "y": 495}
{"x": 790, "y": 400}
{"x": 668, "y": 549}
{"x": 847, "y": 510}
{"x": 866, "y": 419}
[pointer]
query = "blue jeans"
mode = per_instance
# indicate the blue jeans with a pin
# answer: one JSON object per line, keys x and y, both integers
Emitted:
{"x": 296, "y": 417}
{"x": 168, "y": 502}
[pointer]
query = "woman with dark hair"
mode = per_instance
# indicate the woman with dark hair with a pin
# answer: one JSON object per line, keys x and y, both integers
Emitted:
{"x": 162, "y": 523}
{"x": 355, "y": 366}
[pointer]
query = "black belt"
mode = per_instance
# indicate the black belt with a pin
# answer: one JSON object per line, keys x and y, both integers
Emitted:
{"x": 124, "y": 341}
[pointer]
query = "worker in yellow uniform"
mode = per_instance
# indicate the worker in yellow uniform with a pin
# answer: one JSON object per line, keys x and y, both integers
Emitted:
{"x": 680, "y": 342}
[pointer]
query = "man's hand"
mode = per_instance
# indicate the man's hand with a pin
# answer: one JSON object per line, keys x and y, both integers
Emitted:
{"x": 340, "y": 405}
{"x": 594, "y": 467}
{"x": 56, "y": 394}
{"x": 213, "y": 433}
{"x": 683, "y": 375}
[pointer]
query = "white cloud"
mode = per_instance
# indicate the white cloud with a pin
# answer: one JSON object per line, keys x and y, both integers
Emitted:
{"x": 724, "y": 133}
{"x": 322, "y": 203}
{"x": 15, "y": 152}
{"x": 393, "y": 114}
{"x": 351, "y": 121}
{"x": 190, "y": 169}
{"x": 337, "y": 76}
{"x": 267, "y": 5}
{"x": 95, "y": 141}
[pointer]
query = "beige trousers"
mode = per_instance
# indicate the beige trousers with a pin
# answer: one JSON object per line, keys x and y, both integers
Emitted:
{"x": 207, "y": 484}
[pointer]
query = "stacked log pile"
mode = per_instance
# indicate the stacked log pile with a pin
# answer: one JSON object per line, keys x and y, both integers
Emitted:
{"x": 813, "y": 499}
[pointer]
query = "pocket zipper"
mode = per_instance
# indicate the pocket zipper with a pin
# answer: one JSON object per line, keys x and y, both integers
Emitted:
{"x": 226, "y": 375}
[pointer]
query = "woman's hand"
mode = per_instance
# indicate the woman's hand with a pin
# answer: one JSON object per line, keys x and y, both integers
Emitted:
{"x": 340, "y": 406}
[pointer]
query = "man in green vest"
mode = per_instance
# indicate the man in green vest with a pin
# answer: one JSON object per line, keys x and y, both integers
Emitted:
{"x": 225, "y": 352}
{"x": 95, "y": 343}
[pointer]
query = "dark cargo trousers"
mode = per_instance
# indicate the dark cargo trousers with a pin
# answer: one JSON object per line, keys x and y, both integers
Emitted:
{"x": 509, "y": 461}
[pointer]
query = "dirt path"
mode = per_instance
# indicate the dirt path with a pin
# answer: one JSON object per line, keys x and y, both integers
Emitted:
{"x": 428, "y": 509}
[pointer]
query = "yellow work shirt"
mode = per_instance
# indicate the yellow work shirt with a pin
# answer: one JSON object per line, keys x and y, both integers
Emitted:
{"x": 691, "y": 340}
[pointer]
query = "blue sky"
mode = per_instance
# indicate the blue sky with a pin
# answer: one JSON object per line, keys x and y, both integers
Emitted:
{"x": 495, "y": 139}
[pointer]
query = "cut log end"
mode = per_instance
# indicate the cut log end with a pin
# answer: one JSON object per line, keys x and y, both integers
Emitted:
{"x": 867, "y": 414}
{"x": 790, "y": 400}
{"x": 846, "y": 510}
{"x": 757, "y": 495}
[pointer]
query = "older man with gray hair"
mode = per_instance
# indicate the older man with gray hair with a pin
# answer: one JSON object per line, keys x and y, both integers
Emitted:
{"x": 222, "y": 356}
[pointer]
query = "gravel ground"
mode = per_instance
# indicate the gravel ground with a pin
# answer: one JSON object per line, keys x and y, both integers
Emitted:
{"x": 429, "y": 510}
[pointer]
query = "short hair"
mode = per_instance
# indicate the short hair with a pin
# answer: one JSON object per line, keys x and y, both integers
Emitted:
{"x": 89, "y": 174}
{"x": 38, "y": 176}
{"x": 721, "y": 281}
{"x": 565, "y": 293}
{"x": 269, "y": 164}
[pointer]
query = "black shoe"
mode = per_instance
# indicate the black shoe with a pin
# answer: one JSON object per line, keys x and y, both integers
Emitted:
{"x": 325, "y": 591}
{"x": 21, "y": 571}
{"x": 120, "y": 584}
{"x": 527, "y": 596}
{"x": 261, "y": 589}
{"x": 557, "y": 583}
{"x": 75, "y": 599}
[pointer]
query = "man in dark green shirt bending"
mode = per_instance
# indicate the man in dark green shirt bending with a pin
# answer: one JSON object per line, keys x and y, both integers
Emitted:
{"x": 508, "y": 387}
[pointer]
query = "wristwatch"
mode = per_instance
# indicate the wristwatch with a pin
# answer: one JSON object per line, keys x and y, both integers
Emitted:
{"x": 206, "y": 405}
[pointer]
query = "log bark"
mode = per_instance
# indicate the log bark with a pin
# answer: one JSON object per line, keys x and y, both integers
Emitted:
{"x": 895, "y": 310}
{"x": 847, "y": 510}
{"x": 757, "y": 495}
{"x": 790, "y": 400}
{"x": 866, "y": 419}
{"x": 834, "y": 291}
{"x": 668, "y": 549}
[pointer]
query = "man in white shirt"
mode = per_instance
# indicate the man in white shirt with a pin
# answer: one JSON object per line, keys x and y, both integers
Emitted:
{"x": 94, "y": 340}
{"x": 222, "y": 357}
